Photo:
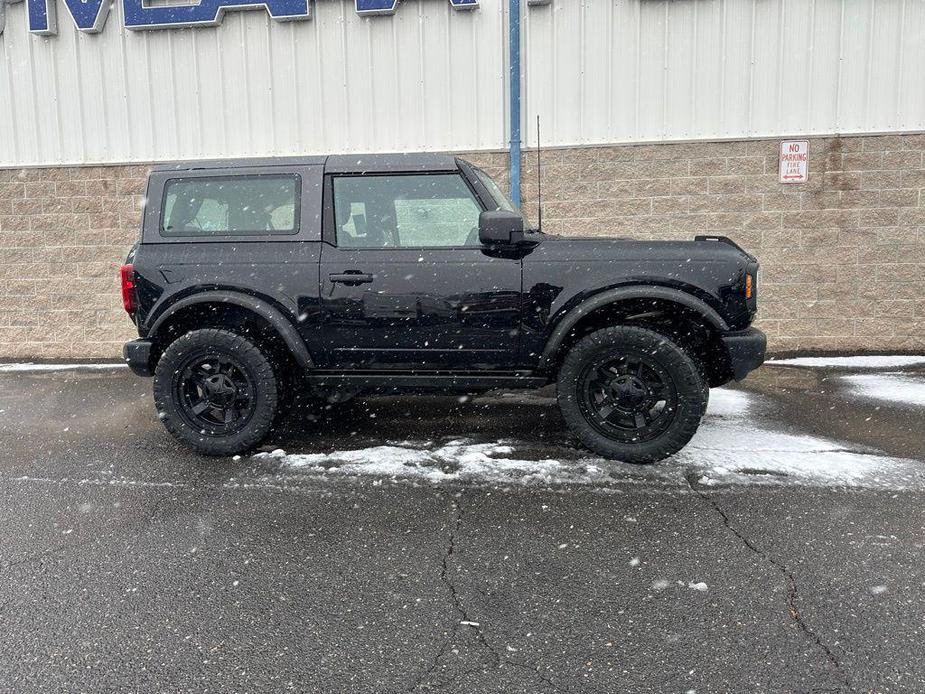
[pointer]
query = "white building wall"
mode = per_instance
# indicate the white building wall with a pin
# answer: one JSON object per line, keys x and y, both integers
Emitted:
{"x": 609, "y": 71}
{"x": 428, "y": 78}
{"x": 433, "y": 78}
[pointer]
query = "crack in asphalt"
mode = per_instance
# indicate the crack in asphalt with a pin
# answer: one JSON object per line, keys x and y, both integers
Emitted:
{"x": 496, "y": 657}
{"x": 792, "y": 592}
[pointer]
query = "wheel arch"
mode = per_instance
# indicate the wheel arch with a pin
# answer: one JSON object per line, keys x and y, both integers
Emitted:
{"x": 677, "y": 309}
{"x": 223, "y": 303}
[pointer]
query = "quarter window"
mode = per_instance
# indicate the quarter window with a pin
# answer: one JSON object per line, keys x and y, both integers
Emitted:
{"x": 411, "y": 211}
{"x": 231, "y": 205}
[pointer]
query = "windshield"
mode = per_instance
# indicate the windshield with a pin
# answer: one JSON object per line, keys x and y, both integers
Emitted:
{"x": 501, "y": 200}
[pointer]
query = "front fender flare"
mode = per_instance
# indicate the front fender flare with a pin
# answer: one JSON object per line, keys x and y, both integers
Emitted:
{"x": 611, "y": 296}
{"x": 272, "y": 315}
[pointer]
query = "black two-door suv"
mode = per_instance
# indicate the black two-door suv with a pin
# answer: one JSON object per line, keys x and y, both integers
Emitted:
{"x": 256, "y": 280}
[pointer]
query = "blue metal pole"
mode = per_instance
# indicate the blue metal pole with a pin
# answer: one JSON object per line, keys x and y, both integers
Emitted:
{"x": 514, "y": 78}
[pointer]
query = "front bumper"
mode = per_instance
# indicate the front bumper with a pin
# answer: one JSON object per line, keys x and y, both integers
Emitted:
{"x": 746, "y": 350}
{"x": 137, "y": 355}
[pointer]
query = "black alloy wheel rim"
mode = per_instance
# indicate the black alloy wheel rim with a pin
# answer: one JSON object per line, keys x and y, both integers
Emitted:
{"x": 628, "y": 397}
{"x": 216, "y": 394}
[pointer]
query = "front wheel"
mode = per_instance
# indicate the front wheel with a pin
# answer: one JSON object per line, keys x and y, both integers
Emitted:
{"x": 631, "y": 394}
{"x": 216, "y": 392}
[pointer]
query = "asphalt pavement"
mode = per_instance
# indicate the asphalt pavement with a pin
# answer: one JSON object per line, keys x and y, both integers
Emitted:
{"x": 782, "y": 552}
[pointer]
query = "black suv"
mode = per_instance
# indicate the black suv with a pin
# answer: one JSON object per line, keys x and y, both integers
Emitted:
{"x": 257, "y": 280}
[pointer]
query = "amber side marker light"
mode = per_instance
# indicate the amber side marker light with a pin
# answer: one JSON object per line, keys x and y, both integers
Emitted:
{"x": 748, "y": 286}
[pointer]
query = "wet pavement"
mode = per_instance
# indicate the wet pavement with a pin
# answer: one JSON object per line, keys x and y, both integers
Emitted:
{"x": 425, "y": 543}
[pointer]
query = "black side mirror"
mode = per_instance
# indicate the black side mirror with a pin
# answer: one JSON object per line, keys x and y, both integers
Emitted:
{"x": 500, "y": 228}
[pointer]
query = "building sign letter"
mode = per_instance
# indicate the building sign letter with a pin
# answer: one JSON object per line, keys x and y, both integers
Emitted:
{"x": 366, "y": 7}
{"x": 89, "y": 15}
{"x": 205, "y": 13}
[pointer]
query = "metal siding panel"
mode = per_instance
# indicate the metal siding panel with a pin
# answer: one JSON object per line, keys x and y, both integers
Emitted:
{"x": 794, "y": 55}
{"x": 852, "y": 97}
{"x": 706, "y": 70}
{"x": 703, "y": 69}
{"x": 910, "y": 98}
{"x": 681, "y": 53}
{"x": 429, "y": 77}
{"x": 765, "y": 67}
{"x": 652, "y": 70}
{"x": 880, "y": 106}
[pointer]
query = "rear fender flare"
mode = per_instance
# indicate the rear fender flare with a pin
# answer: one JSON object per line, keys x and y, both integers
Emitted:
{"x": 612, "y": 296}
{"x": 283, "y": 327}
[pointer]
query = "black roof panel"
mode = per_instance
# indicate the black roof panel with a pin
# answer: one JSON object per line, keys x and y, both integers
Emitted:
{"x": 336, "y": 163}
{"x": 239, "y": 163}
{"x": 385, "y": 163}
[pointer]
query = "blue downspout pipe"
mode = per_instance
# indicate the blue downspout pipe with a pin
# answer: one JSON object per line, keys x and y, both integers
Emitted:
{"x": 514, "y": 81}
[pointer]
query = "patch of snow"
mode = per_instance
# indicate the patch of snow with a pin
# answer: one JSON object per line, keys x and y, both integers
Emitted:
{"x": 725, "y": 402}
{"x": 890, "y": 387}
{"x": 460, "y": 459}
{"x": 860, "y": 362}
{"x": 736, "y": 444}
{"x": 701, "y": 586}
{"x": 660, "y": 584}
{"x": 28, "y": 366}
{"x": 878, "y": 590}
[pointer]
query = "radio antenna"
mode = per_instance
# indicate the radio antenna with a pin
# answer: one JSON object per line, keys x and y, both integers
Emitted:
{"x": 539, "y": 177}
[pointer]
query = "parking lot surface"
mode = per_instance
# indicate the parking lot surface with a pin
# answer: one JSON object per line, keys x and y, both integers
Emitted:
{"x": 466, "y": 545}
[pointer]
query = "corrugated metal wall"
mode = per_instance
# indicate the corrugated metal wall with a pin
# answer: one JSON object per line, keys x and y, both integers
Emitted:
{"x": 603, "y": 71}
{"x": 430, "y": 77}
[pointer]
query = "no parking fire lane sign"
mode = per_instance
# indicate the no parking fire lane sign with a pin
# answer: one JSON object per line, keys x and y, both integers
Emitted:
{"x": 794, "y": 161}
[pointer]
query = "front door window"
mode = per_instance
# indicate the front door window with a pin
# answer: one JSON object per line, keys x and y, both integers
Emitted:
{"x": 408, "y": 211}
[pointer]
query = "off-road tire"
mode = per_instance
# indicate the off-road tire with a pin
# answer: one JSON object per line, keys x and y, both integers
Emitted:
{"x": 258, "y": 370}
{"x": 691, "y": 392}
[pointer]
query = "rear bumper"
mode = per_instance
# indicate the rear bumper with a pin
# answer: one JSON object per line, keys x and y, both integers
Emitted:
{"x": 746, "y": 350}
{"x": 137, "y": 355}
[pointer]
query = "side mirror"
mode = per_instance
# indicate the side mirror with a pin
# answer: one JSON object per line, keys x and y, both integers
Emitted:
{"x": 500, "y": 228}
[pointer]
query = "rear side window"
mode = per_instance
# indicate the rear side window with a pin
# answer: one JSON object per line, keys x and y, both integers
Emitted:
{"x": 231, "y": 206}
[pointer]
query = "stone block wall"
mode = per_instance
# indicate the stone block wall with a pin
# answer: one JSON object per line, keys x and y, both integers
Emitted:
{"x": 64, "y": 232}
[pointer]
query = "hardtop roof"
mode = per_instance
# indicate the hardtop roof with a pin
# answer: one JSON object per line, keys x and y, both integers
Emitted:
{"x": 335, "y": 163}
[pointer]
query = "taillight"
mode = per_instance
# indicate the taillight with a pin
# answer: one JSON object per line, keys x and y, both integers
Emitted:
{"x": 127, "y": 274}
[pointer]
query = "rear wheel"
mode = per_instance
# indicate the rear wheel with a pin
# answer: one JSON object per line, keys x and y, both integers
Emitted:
{"x": 216, "y": 392}
{"x": 631, "y": 394}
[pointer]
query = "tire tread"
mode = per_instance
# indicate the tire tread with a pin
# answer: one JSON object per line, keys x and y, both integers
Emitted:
{"x": 689, "y": 382}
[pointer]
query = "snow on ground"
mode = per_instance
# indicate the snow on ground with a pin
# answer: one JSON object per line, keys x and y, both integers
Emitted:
{"x": 737, "y": 444}
{"x": 890, "y": 387}
{"x": 459, "y": 459}
{"x": 872, "y": 362}
{"x": 28, "y": 366}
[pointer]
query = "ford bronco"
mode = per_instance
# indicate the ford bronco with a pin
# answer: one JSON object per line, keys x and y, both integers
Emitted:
{"x": 258, "y": 280}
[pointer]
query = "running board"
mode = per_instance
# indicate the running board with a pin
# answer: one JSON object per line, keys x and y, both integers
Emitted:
{"x": 453, "y": 382}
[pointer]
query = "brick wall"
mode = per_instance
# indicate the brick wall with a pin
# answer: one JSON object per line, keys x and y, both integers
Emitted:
{"x": 843, "y": 256}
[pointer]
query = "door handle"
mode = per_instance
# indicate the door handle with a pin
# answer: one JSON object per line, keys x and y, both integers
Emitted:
{"x": 350, "y": 277}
